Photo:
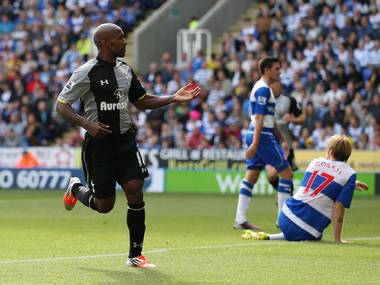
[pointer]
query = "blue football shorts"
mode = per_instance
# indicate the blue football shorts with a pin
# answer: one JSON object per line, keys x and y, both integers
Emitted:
{"x": 269, "y": 152}
{"x": 291, "y": 231}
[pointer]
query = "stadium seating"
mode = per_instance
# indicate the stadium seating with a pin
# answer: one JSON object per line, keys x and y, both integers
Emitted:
{"x": 330, "y": 58}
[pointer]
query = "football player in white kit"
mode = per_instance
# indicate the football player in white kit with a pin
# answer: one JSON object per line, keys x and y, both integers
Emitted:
{"x": 325, "y": 191}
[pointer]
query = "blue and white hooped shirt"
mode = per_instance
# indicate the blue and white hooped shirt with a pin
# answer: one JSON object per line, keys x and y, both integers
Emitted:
{"x": 325, "y": 182}
{"x": 263, "y": 103}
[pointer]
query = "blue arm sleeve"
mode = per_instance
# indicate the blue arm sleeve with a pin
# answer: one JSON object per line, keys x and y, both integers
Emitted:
{"x": 345, "y": 196}
{"x": 262, "y": 96}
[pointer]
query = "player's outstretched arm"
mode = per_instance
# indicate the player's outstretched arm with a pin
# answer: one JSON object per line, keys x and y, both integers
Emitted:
{"x": 338, "y": 217}
{"x": 153, "y": 101}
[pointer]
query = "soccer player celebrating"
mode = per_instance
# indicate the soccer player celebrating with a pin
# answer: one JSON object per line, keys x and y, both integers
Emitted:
{"x": 106, "y": 85}
{"x": 325, "y": 191}
{"x": 263, "y": 147}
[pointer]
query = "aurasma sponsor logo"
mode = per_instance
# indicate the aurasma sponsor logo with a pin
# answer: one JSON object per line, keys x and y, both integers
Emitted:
{"x": 104, "y": 106}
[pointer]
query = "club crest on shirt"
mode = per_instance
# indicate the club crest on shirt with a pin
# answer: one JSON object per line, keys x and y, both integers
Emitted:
{"x": 118, "y": 93}
{"x": 261, "y": 100}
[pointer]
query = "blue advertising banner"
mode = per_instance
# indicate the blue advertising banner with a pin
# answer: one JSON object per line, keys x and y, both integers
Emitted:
{"x": 37, "y": 178}
{"x": 47, "y": 178}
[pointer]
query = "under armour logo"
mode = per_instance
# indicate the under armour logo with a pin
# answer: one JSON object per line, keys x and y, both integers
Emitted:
{"x": 102, "y": 82}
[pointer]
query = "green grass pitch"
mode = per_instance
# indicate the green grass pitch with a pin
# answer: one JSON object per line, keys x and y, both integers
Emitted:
{"x": 189, "y": 237}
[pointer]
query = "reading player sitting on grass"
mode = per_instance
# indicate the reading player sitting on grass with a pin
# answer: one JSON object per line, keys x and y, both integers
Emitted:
{"x": 325, "y": 191}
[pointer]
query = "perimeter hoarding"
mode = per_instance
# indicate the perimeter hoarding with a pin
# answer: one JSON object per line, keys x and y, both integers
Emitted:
{"x": 189, "y": 159}
{"x": 58, "y": 179}
{"x": 172, "y": 170}
{"x": 228, "y": 182}
{"x": 160, "y": 180}
{"x": 360, "y": 160}
{"x": 35, "y": 179}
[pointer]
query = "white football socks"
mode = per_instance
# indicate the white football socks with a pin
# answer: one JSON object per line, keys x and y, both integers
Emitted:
{"x": 245, "y": 197}
{"x": 279, "y": 236}
{"x": 283, "y": 193}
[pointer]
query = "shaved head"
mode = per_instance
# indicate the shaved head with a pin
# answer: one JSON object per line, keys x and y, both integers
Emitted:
{"x": 105, "y": 32}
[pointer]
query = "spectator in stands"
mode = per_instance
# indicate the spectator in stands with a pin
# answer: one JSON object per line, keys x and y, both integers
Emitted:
{"x": 374, "y": 108}
{"x": 248, "y": 28}
{"x": 196, "y": 139}
{"x": 333, "y": 115}
{"x": 216, "y": 93}
{"x": 318, "y": 44}
{"x": 175, "y": 83}
{"x": 252, "y": 44}
{"x": 193, "y": 24}
{"x": 203, "y": 75}
{"x": 41, "y": 44}
{"x": 27, "y": 160}
{"x": 334, "y": 93}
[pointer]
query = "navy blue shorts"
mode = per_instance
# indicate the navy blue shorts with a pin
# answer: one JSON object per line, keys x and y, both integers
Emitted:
{"x": 269, "y": 152}
{"x": 291, "y": 231}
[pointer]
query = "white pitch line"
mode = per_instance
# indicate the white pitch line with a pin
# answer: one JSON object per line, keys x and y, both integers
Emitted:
{"x": 162, "y": 250}
{"x": 364, "y": 238}
{"x": 72, "y": 257}
{"x": 58, "y": 258}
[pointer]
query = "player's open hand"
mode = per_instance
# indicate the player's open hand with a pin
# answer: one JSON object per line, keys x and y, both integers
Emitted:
{"x": 97, "y": 129}
{"x": 360, "y": 186}
{"x": 187, "y": 93}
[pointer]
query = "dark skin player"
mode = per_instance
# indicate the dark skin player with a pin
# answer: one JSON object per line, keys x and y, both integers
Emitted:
{"x": 111, "y": 44}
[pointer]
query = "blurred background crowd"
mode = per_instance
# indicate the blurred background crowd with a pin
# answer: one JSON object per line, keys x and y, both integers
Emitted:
{"x": 329, "y": 53}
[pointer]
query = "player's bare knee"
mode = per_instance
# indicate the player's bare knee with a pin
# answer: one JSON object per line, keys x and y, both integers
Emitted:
{"x": 106, "y": 205}
{"x": 251, "y": 180}
{"x": 251, "y": 177}
{"x": 134, "y": 191}
{"x": 135, "y": 198}
{"x": 287, "y": 173}
{"x": 272, "y": 176}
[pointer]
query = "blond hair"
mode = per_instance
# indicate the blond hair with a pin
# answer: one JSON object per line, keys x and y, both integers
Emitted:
{"x": 339, "y": 147}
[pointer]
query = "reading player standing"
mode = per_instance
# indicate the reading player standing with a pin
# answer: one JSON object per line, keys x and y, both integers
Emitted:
{"x": 263, "y": 147}
{"x": 106, "y": 85}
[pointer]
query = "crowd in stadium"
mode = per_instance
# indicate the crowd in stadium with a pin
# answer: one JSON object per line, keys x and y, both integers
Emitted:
{"x": 41, "y": 43}
{"x": 330, "y": 59}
